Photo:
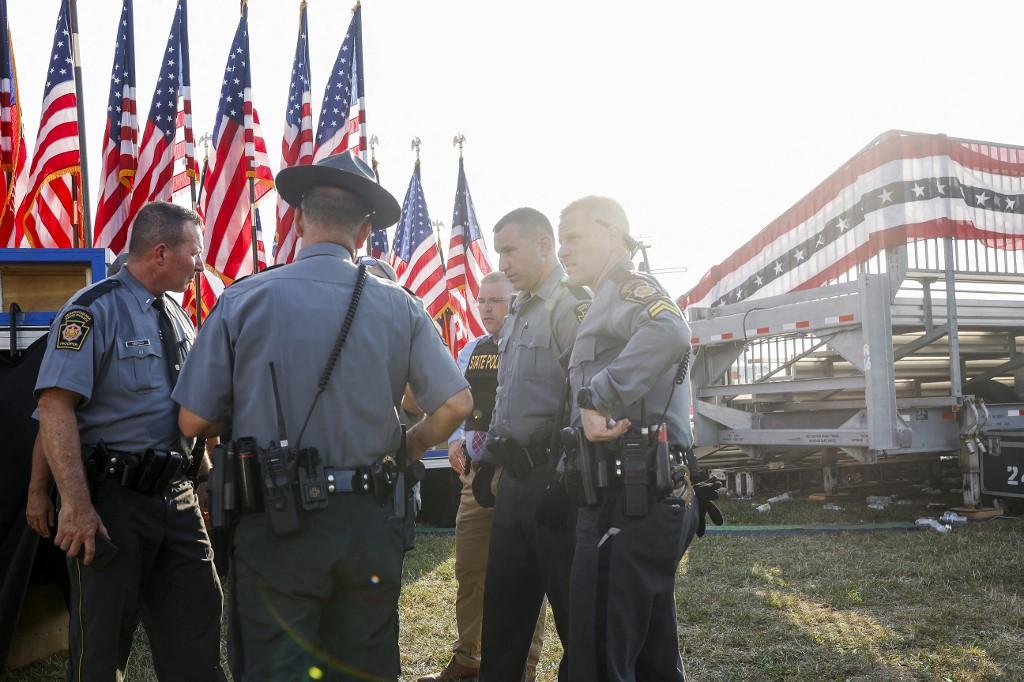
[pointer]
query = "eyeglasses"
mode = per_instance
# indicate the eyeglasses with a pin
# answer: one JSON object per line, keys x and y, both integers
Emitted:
{"x": 491, "y": 301}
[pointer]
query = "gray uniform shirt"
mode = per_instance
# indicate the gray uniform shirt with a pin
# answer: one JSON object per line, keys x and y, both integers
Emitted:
{"x": 110, "y": 353}
{"x": 628, "y": 348}
{"x": 531, "y": 378}
{"x": 291, "y": 316}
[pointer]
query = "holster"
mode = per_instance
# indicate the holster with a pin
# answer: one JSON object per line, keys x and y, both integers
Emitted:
{"x": 148, "y": 472}
{"x": 518, "y": 460}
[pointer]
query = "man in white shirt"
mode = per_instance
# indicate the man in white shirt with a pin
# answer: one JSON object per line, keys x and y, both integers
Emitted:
{"x": 478, "y": 360}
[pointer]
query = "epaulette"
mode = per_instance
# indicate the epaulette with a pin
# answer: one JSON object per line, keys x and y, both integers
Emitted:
{"x": 266, "y": 269}
{"x": 89, "y": 297}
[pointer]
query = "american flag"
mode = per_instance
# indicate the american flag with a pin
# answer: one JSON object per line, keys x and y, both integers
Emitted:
{"x": 297, "y": 144}
{"x": 13, "y": 154}
{"x": 902, "y": 187}
{"x": 342, "y": 123}
{"x": 49, "y": 215}
{"x": 379, "y": 243}
{"x": 467, "y": 258}
{"x": 239, "y": 153}
{"x": 261, "y": 252}
{"x": 417, "y": 258}
{"x": 157, "y": 179}
{"x": 113, "y": 214}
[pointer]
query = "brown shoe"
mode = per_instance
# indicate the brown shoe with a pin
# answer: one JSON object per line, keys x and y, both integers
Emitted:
{"x": 453, "y": 672}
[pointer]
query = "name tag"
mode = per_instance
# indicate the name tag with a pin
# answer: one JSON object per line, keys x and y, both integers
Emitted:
{"x": 136, "y": 343}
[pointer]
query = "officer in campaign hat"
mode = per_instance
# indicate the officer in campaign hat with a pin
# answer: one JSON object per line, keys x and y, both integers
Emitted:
{"x": 307, "y": 362}
{"x": 627, "y": 371}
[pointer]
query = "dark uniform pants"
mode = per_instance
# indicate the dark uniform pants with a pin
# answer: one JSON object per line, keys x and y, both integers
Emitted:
{"x": 321, "y": 603}
{"x": 525, "y": 562}
{"x": 623, "y": 624}
{"x": 163, "y": 570}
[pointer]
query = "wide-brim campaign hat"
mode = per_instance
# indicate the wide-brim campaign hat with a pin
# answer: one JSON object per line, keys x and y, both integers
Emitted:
{"x": 345, "y": 171}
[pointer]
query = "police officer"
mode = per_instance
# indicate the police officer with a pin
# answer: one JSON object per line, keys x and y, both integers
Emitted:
{"x": 527, "y": 560}
{"x": 478, "y": 359}
{"x": 110, "y": 433}
{"x": 319, "y": 599}
{"x": 623, "y": 373}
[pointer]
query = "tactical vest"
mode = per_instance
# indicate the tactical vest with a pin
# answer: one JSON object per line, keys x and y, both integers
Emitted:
{"x": 482, "y": 375}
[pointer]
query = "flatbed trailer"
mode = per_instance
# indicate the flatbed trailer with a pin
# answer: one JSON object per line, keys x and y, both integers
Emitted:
{"x": 916, "y": 350}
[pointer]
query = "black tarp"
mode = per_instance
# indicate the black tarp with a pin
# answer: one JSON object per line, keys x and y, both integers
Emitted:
{"x": 25, "y": 559}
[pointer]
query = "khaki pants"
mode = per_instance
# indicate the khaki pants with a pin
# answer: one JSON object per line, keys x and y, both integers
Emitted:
{"x": 472, "y": 539}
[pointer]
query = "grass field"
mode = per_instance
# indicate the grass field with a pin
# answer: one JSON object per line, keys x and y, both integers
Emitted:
{"x": 887, "y": 605}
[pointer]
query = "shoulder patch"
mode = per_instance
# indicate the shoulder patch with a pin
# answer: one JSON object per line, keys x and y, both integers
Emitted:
{"x": 74, "y": 327}
{"x": 581, "y": 310}
{"x": 663, "y": 305}
{"x": 639, "y": 290}
{"x": 105, "y": 287}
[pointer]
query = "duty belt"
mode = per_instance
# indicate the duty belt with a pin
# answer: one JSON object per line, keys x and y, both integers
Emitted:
{"x": 520, "y": 460}
{"x": 152, "y": 471}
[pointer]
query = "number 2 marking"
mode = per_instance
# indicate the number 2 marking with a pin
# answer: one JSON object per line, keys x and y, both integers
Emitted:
{"x": 1013, "y": 480}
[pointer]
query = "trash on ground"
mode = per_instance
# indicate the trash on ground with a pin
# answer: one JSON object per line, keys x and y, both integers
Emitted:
{"x": 932, "y": 523}
{"x": 952, "y": 517}
{"x": 784, "y": 497}
{"x": 832, "y": 507}
{"x": 762, "y": 508}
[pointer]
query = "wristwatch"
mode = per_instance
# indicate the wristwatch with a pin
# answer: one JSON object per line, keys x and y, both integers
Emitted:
{"x": 585, "y": 398}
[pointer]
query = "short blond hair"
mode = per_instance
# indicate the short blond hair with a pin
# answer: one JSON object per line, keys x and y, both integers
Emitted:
{"x": 496, "y": 276}
{"x": 604, "y": 210}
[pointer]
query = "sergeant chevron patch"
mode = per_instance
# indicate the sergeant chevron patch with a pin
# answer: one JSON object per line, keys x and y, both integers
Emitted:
{"x": 663, "y": 305}
{"x": 581, "y": 310}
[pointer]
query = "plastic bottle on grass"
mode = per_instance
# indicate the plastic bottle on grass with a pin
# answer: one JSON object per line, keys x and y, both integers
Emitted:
{"x": 832, "y": 507}
{"x": 784, "y": 497}
{"x": 952, "y": 517}
{"x": 762, "y": 508}
{"x": 933, "y": 524}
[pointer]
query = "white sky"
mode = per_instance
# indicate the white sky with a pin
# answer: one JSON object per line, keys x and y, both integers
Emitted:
{"x": 705, "y": 120}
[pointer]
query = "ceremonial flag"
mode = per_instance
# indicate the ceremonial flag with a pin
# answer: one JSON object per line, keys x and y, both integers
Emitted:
{"x": 50, "y": 214}
{"x": 13, "y": 154}
{"x": 261, "y": 251}
{"x": 113, "y": 214}
{"x": 342, "y": 123}
{"x": 467, "y": 258}
{"x": 901, "y": 188}
{"x": 158, "y": 178}
{"x": 379, "y": 244}
{"x": 239, "y": 153}
{"x": 297, "y": 144}
{"x": 416, "y": 258}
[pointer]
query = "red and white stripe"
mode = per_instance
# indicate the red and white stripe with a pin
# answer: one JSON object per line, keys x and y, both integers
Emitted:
{"x": 13, "y": 157}
{"x": 895, "y": 158}
{"x": 351, "y": 137}
{"x": 113, "y": 212}
{"x": 47, "y": 213}
{"x": 239, "y": 152}
{"x": 466, "y": 267}
{"x": 424, "y": 276}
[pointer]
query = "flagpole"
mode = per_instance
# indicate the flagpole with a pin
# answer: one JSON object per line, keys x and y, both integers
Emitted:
{"x": 376, "y": 173}
{"x": 197, "y": 279}
{"x": 83, "y": 154}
